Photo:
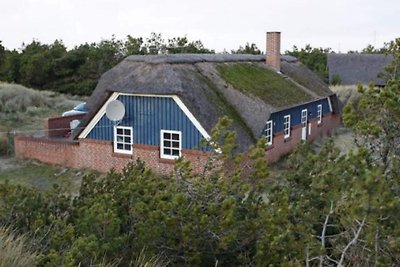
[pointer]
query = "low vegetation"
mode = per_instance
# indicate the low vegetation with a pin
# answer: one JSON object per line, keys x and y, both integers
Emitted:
{"x": 25, "y": 108}
{"x": 348, "y": 94}
{"x": 22, "y": 110}
{"x": 41, "y": 176}
{"x": 14, "y": 250}
{"x": 324, "y": 208}
{"x": 267, "y": 85}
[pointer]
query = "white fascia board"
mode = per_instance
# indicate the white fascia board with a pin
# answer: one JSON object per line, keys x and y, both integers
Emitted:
{"x": 98, "y": 116}
{"x": 330, "y": 104}
{"x": 192, "y": 118}
{"x": 185, "y": 110}
{"x": 177, "y": 100}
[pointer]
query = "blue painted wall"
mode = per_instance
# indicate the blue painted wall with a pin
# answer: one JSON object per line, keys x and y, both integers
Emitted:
{"x": 295, "y": 114}
{"x": 148, "y": 115}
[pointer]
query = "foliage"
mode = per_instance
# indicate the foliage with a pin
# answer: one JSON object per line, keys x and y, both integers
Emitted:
{"x": 247, "y": 49}
{"x": 375, "y": 119}
{"x": 324, "y": 209}
{"x": 392, "y": 71}
{"x": 351, "y": 205}
{"x": 267, "y": 85}
{"x": 76, "y": 71}
{"x": 376, "y": 116}
{"x": 314, "y": 58}
{"x": 336, "y": 80}
{"x": 370, "y": 49}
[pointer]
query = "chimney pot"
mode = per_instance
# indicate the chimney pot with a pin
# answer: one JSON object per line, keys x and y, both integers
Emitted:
{"x": 273, "y": 51}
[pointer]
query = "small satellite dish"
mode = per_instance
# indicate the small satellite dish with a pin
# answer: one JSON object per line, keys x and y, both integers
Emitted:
{"x": 115, "y": 110}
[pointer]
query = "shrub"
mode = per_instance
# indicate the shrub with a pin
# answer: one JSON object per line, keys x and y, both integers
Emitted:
{"x": 336, "y": 80}
{"x": 6, "y": 144}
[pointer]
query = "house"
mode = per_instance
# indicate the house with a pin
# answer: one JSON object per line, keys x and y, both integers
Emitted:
{"x": 350, "y": 69}
{"x": 167, "y": 104}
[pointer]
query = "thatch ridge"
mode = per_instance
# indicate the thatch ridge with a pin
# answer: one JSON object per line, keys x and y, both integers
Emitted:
{"x": 197, "y": 58}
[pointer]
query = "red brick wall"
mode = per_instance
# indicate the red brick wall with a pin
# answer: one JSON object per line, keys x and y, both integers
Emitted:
{"x": 60, "y": 126}
{"x": 281, "y": 146}
{"x": 99, "y": 155}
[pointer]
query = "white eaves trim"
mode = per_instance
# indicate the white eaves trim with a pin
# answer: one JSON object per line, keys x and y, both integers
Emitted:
{"x": 177, "y": 100}
{"x": 192, "y": 118}
{"x": 330, "y": 104}
{"x": 97, "y": 117}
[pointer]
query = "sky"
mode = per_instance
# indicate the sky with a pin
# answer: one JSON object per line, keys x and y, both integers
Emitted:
{"x": 341, "y": 25}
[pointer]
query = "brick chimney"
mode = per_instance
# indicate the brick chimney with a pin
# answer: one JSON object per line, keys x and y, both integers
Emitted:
{"x": 273, "y": 51}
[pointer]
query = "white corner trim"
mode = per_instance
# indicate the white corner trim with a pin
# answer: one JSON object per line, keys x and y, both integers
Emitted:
{"x": 330, "y": 104}
{"x": 192, "y": 118}
{"x": 98, "y": 116}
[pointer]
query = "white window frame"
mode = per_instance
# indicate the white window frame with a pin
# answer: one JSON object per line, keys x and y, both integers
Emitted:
{"x": 286, "y": 126}
{"x": 304, "y": 118}
{"x": 268, "y": 132}
{"x": 319, "y": 113}
{"x": 118, "y": 141}
{"x": 162, "y": 146}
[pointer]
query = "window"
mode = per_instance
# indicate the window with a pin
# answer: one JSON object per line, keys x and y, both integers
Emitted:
{"x": 286, "y": 126}
{"x": 319, "y": 113}
{"x": 123, "y": 139}
{"x": 170, "y": 144}
{"x": 268, "y": 133}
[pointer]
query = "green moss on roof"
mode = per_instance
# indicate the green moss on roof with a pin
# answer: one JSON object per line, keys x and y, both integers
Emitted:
{"x": 265, "y": 84}
{"x": 223, "y": 107}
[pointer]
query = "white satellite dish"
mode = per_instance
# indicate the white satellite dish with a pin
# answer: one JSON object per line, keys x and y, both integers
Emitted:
{"x": 115, "y": 110}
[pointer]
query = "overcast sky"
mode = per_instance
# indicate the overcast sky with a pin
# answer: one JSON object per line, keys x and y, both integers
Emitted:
{"x": 339, "y": 24}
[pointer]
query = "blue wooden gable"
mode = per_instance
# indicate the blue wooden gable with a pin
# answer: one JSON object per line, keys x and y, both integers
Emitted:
{"x": 148, "y": 115}
{"x": 295, "y": 114}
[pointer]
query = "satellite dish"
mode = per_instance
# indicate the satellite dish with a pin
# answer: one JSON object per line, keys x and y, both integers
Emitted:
{"x": 115, "y": 110}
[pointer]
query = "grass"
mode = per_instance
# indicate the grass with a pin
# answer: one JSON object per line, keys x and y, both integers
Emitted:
{"x": 267, "y": 85}
{"x": 23, "y": 108}
{"x": 13, "y": 250}
{"x": 41, "y": 176}
{"x": 224, "y": 108}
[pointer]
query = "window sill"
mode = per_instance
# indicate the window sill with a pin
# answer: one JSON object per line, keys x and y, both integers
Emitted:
{"x": 122, "y": 155}
{"x": 168, "y": 161}
{"x": 269, "y": 147}
{"x": 287, "y": 139}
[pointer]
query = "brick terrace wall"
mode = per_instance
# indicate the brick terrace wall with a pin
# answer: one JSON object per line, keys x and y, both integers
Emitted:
{"x": 98, "y": 155}
{"x": 59, "y": 126}
{"x": 281, "y": 146}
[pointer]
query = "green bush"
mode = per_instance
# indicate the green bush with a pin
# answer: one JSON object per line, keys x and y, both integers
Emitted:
{"x": 336, "y": 80}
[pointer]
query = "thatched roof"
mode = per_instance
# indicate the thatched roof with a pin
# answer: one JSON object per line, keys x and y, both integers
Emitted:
{"x": 354, "y": 68}
{"x": 197, "y": 80}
